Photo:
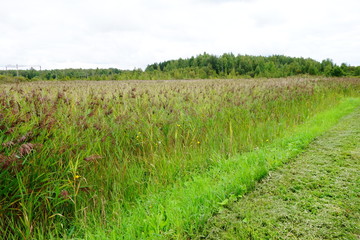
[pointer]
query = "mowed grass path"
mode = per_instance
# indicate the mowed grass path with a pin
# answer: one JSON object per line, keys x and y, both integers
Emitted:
{"x": 315, "y": 196}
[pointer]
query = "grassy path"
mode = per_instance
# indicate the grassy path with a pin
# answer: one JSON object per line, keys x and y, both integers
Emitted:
{"x": 315, "y": 196}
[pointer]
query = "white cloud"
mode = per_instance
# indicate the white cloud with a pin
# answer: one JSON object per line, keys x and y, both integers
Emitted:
{"x": 128, "y": 34}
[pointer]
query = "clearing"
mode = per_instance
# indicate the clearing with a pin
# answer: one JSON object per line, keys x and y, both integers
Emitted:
{"x": 315, "y": 196}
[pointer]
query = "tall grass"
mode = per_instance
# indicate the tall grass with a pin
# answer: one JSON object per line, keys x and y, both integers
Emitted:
{"x": 80, "y": 154}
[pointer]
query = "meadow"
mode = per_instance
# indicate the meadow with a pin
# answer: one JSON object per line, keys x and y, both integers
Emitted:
{"x": 99, "y": 159}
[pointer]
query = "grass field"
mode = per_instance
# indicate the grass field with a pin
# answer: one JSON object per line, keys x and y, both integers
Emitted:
{"x": 136, "y": 159}
{"x": 315, "y": 196}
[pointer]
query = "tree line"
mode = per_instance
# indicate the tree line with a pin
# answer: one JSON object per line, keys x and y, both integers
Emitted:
{"x": 203, "y": 66}
{"x": 229, "y": 65}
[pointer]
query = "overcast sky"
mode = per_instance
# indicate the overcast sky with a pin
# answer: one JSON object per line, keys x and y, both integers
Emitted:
{"x": 131, "y": 34}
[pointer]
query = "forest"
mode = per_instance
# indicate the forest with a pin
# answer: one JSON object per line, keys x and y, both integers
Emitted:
{"x": 203, "y": 66}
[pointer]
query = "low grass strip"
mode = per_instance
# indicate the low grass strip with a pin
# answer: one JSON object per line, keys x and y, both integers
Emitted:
{"x": 182, "y": 211}
{"x": 315, "y": 196}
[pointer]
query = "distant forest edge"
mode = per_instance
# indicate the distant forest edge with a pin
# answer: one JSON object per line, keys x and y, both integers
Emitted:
{"x": 203, "y": 66}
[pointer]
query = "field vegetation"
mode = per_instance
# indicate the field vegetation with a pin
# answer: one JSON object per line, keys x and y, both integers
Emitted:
{"x": 87, "y": 159}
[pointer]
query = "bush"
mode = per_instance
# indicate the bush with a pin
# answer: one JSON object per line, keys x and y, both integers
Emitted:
{"x": 11, "y": 79}
{"x": 337, "y": 72}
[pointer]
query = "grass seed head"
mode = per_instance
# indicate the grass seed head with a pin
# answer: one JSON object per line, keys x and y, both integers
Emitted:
{"x": 8, "y": 144}
{"x": 64, "y": 194}
{"x": 93, "y": 158}
{"x": 26, "y": 149}
{"x": 10, "y": 162}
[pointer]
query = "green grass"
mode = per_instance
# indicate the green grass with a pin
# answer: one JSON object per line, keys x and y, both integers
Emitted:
{"x": 315, "y": 196}
{"x": 146, "y": 159}
{"x": 183, "y": 210}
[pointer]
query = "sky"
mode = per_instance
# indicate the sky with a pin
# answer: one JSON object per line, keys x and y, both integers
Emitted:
{"x": 134, "y": 33}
